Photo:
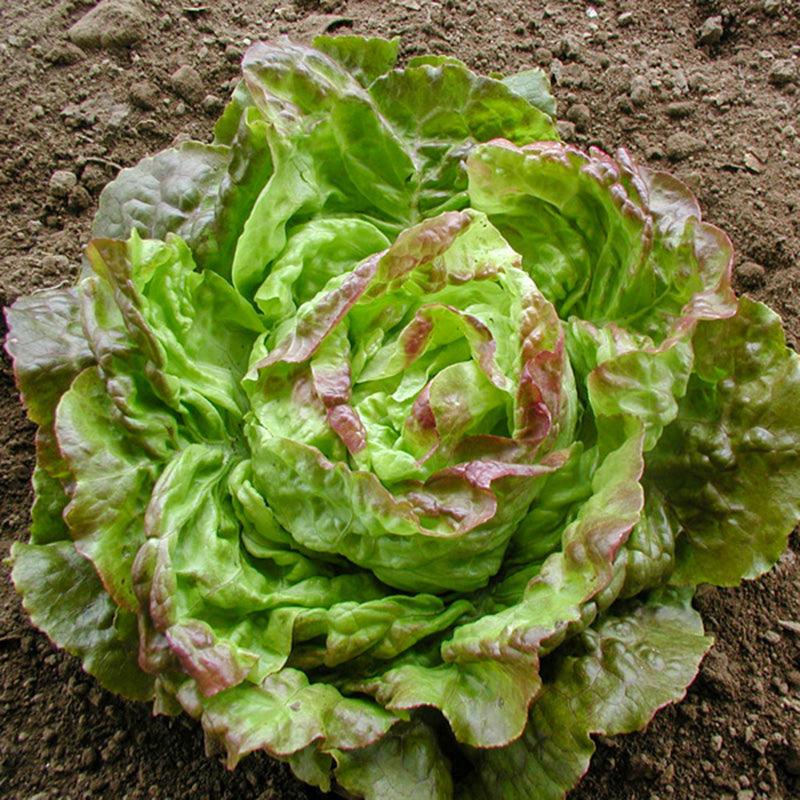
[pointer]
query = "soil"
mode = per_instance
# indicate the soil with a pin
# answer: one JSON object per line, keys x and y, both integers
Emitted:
{"x": 709, "y": 90}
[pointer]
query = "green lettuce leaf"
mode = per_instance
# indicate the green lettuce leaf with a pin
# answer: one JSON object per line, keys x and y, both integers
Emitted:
{"x": 365, "y": 59}
{"x": 284, "y": 714}
{"x": 729, "y": 466}
{"x": 534, "y": 86}
{"x": 48, "y": 348}
{"x": 63, "y": 596}
{"x": 405, "y": 764}
{"x": 612, "y": 680}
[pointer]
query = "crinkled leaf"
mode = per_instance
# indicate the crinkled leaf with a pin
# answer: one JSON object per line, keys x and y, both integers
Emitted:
{"x": 111, "y": 483}
{"x": 585, "y": 227}
{"x": 47, "y": 522}
{"x": 171, "y": 192}
{"x": 284, "y": 714}
{"x": 637, "y": 659}
{"x": 490, "y": 674}
{"x": 729, "y": 466}
{"x": 406, "y": 764}
{"x": 426, "y": 531}
{"x": 61, "y": 592}
{"x": 47, "y": 346}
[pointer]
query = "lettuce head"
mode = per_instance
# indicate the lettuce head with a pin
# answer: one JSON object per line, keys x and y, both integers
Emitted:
{"x": 389, "y": 435}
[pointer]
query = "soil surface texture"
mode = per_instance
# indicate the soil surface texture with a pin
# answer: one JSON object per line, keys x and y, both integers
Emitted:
{"x": 709, "y": 90}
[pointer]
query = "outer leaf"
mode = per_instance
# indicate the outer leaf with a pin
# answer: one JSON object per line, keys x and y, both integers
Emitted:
{"x": 586, "y": 230}
{"x": 61, "y": 592}
{"x": 111, "y": 483}
{"x": 534, "y": 86}
{"x": 172, "y": 343}
{"x": 365, "y": 59}
{"x": 556, "y": 599}
{"x": 201, "y": 192}
{"x": 285, "y": 714}
{"x": 406, "y": 764}
{"x": 172, "y": 192}
{"x": 729, "y": 466}
{"x": 639, "y": 658}
{"x": 328, "y": 145}
{"x": 229, "y": 617}
{"x": 47, "y": 346}
{"x": 47, "y": 522}
{"x": 441, "y": 110}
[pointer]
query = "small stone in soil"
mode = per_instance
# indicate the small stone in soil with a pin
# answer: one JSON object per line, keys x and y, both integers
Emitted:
{"x": 94, "y": 176}
{"x": 680, "y": 110}
{"x": 751, "y": 275}
{"x": 144, "y": 95}
{"x": 716, "y": 673}
{"x": 580, "y": 115}
{"x": 116, "y": 116}
{"x": 79, "y": 199}
{"x": 55, "y": 264}
{"x": 772, "y": 7}
{"x": 640, "y": 90}
{"x": 187, "y": 84}
{"x": 212, "y": 104}
{"x": 566, "y": 130}
{"x": 783, "y": 73}
{"x": 753, "y": 163}
{"x": 710, "y": 31}
{"x": 643, "y": 767}
{"x": 62, "y": 182}
{"x": 63, "y": 54}
{"x": 88, "y": 758}
{"x": 111, "y": 23}
{"x": 569, "y": 47}
{"x": 681, "y": 145}
{"x": 625, "y": 19}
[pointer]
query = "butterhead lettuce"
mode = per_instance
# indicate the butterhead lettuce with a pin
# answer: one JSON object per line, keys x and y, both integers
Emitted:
{"x": 390, "y": 435}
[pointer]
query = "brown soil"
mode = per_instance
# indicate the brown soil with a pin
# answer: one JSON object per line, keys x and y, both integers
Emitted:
{"x": 635, "y": 80}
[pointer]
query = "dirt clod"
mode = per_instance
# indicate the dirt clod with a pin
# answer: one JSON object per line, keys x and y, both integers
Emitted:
{"x": 783, "y": 72}
{"x": 682, "y": 145}
{"x": 144, "y": 95}
{"x": 79, "y": 199}
{"x": 640, "y": 90}
{"x": 111, "y": 23}
{"x": 680, "y": 109}
{"x": 63, "y": 54}
{"x": 717, "y": 675}
{"x": 711, "y": 31}
{"x": 751, "y": 275}
{"x": 579, "y": 114}
{"x": 644, "y": 767}
{"x": 187, "y": 84}
{"x": 625, "y": 19}
{"x": 62, "y": 182}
